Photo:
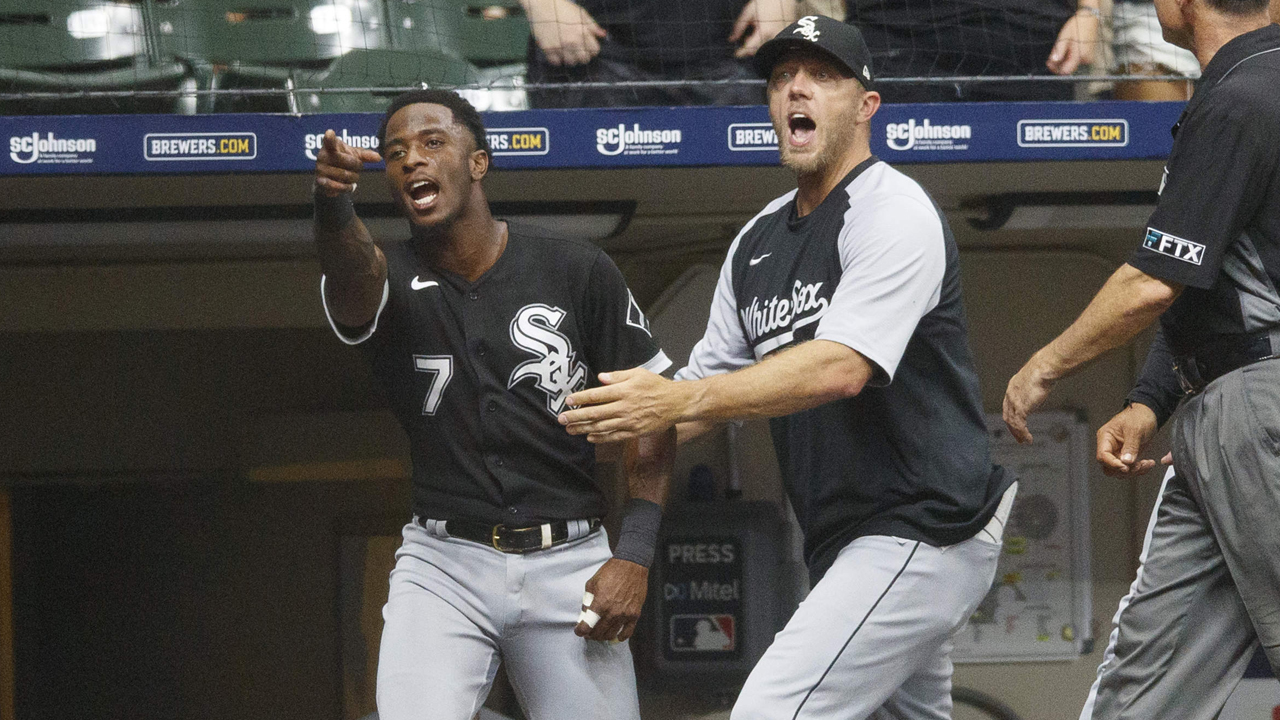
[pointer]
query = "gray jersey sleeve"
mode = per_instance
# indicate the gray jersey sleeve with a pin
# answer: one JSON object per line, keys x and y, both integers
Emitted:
{"x": 723, "y": 348}
{"x": 893, "y": 255}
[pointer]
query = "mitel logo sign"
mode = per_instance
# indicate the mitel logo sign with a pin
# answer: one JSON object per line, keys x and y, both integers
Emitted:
{"x": 519, "y": 141}
{"x": 747, "y": 137}
{"x": 51, "y": 149}
{"x": 315, "y": 141}
{"x": 1073, "y": 133}
{"x": 924, "y": 135}
{"x": 200, "y": 146}
{"x": 636, "y": 140}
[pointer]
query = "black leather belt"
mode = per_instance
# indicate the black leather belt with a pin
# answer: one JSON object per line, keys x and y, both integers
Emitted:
{"x": 513, "y": 539}
{"x": 1210, "y": 362}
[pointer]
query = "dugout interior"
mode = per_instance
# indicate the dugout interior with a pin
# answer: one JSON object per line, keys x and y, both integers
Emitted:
{"x": 191, "y": 457}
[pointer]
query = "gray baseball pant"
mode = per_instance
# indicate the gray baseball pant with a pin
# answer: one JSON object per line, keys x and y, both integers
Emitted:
{"x": 1208, "y": 588}
{"x": 873, "y": 638}
{"x": 456, "y": 608}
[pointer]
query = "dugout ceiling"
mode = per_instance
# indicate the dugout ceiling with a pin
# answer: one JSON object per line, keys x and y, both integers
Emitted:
{"x": 672, "y": 211}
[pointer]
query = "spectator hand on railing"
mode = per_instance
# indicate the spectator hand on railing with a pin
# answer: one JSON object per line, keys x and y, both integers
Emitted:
{"x": 759, "y": 21}
{"x": 565, "y": 33}
{"x": 1077, "y": 41}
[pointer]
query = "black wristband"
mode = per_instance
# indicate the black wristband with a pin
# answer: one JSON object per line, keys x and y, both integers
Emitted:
{"x": 333, "y": 213}
{"x": 639, "y": 534}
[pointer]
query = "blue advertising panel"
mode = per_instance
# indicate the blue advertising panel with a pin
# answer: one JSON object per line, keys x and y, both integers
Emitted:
{"x": 588, "y": 138}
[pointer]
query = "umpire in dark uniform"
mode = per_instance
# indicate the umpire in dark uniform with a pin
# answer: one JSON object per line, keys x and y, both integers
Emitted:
{"x": 1208, "y": 590}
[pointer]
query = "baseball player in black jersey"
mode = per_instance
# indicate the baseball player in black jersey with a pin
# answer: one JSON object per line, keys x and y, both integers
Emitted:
{"x": 479, "y": 331}
{"x": 838, "y": 315}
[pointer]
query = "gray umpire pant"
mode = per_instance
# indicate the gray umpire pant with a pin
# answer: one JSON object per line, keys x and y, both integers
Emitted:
{"x": 1208, "y": 589}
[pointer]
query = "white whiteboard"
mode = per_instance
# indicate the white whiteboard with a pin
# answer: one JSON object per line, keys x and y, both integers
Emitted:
{"x": 1040, "y": 605}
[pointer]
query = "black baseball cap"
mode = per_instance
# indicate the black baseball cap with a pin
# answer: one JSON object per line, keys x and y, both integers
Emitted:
{"x": 839, "y": 40}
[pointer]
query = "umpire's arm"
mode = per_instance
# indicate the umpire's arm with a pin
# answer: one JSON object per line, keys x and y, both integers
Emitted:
{"x": 354, "y": 268}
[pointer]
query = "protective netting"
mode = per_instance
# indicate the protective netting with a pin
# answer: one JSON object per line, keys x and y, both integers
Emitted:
{"x": 196, "y": 56}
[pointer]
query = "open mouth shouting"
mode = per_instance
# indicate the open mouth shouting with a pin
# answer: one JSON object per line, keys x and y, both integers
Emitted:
{"x": 422, "y": 193}
{"x": 801, "y": 129}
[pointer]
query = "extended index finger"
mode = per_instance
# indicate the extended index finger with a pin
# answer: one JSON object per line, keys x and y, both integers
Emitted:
{"x": 331, "y": 141}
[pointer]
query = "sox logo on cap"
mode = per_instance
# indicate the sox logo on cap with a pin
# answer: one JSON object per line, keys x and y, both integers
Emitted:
{"x": 806, "y": 29}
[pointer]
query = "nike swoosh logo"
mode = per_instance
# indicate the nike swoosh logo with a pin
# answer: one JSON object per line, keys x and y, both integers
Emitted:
{"x": 756, "y": 261}
{"x": 417, "y": 284}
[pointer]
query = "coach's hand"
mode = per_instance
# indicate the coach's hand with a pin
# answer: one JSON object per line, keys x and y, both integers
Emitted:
{"x": 1122, "y": 439}
{"x": 619, "y": 587}
{"x": 338, "y": 165}
{"x": 1027, "y": 391}
{"x": 631, "y": 403}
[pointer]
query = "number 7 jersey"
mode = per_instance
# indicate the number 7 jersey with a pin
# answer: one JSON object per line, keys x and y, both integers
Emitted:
{"x": 477, "y": 373}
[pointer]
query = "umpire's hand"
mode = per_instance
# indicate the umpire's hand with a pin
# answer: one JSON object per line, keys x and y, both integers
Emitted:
{"x": 1121, "y": 440}
{"x": 338, "y": 165}
{"x": 619, "y": 587}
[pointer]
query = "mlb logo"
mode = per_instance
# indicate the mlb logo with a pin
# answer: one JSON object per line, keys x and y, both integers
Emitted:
{"x": 702, "y": 633}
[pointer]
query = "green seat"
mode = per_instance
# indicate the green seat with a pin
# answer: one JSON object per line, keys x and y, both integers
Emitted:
{"x": 377, "y": 69}
{"x": 270, "y": 33}
{"x": 261, "y": 44}
{"x": 485, "y": 32}
{"x": 52, "y": 46}
{"x": 301, "y": 46}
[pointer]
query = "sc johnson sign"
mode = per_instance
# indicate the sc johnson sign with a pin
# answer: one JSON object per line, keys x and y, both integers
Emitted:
{"x": 49, "y": 148}
{"x": 926, "y": 135}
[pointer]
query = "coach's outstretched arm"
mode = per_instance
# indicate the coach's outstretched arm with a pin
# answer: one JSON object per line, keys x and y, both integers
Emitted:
{"x": 354, "y": 268}
{"x": 638, "y": 402}
{"x": 617, "y": 590}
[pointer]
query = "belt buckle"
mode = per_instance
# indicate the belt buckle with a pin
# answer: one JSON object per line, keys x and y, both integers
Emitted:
{"x": 513, "y": 550}
{"x": 497, "y": 546}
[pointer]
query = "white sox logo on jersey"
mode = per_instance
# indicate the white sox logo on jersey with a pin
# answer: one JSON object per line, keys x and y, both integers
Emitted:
{"x": 556, "y": 369}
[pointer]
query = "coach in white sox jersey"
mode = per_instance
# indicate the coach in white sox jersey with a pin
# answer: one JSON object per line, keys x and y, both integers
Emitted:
{"x": 479, "y": 331}
{"x": 1208, "y": 590}
{"x": 838, "y": 314}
